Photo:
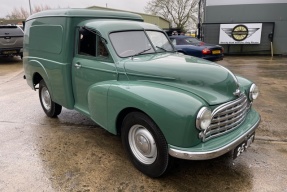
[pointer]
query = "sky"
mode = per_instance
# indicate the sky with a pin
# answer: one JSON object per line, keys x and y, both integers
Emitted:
{"x": 6, "y": 6}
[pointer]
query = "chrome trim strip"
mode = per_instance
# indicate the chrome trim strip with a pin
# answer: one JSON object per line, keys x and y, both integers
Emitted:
{"x": 237, "y": 106}
{"x": 228, "y": 129}
{"x": 196, "y": 155}
{"x": 219, "y": 119}
{"x": 226, "y": 117}
{"x": 228, "y": 104}
{"x": 227, "y": 124}
{"x": 150, "y": 76}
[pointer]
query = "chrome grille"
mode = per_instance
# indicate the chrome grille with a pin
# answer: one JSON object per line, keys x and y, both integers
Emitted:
{"x": 227, "y": 117}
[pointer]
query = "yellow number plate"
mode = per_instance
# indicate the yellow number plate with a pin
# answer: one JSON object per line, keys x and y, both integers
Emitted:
{"x": 216, "y": 52}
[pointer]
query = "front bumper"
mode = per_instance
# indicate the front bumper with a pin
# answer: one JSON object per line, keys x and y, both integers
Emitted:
{"x": 220, "y": 145}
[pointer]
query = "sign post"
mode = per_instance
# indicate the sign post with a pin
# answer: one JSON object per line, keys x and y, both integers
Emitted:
{"x": 270, "y": 37}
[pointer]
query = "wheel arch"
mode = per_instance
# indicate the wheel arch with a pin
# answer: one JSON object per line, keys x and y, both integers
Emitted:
{"x": 36, "y": 78}
{"x": 121, "y": 116}
{"x": 171, "y": 109}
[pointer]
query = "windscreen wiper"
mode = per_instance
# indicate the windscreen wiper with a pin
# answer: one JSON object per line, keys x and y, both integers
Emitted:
{"x": 141, "y": 52}
{"x": 161, "y": 48}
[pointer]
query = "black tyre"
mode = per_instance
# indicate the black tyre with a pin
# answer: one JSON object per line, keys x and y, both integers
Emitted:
{"x": 145, "y": 144}
{"x": 51, "y": 108}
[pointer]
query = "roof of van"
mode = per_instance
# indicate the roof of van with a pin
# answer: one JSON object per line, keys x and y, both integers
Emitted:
{"x": 107, "y": 26}
{"x": 103, "y": 14}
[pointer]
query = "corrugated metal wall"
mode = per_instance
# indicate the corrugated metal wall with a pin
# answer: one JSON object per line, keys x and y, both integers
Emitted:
{"x": 245, "y": 13}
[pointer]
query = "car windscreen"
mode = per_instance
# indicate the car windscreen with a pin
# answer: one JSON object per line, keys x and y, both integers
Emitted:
{"x": 191, "y": 40}
{"x": 11, "y": 31}
{"x": 159, "y": 41}
{"x": 130, "y": 43}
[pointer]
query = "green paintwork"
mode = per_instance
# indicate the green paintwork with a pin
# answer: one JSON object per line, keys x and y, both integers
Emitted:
{"x": 172, "y": 109}
{"x": 207, "y": 80}
{"x": 85, "y": 13}
{"x": 213, "y": 144}
{"x": 58, "y": 65}
{"x": 169, "y": 87}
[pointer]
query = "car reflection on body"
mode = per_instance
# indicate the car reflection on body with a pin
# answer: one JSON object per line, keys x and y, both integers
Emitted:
{"x": 194, "y": 47}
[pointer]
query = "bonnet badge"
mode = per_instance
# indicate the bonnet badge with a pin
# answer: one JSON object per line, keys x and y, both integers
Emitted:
{"x": 237, "y": 92}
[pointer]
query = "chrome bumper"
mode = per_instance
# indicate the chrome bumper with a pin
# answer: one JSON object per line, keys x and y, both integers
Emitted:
{"x": 204, "y": 155}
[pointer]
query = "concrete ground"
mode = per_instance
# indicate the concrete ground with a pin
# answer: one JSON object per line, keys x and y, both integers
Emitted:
{"x": 71, "y": 153}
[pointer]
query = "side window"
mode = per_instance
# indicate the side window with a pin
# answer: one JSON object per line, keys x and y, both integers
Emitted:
{"x": 181, "y": 42}
{"x": 91, "y": 44}
{"x": 87, "y": 43}
{"x": 101, "y": 49}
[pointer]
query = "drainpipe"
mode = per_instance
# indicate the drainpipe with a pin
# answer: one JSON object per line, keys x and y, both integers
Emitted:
{"x": 199, "y": 24}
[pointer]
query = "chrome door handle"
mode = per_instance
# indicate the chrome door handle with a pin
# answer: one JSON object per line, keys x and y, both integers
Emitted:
{"x": 78, "y": 65}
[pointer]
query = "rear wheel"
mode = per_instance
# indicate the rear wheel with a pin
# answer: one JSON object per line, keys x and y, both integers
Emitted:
{"x": 145, "y": 144}
{"x": 51, "y": 108}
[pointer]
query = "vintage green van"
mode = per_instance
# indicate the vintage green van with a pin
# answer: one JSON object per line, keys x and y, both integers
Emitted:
{"x": 125, "y": 75}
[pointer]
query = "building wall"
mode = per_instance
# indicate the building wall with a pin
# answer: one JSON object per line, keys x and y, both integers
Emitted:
{"x": 162, "y": 23}
{"x": 222, "y": 11}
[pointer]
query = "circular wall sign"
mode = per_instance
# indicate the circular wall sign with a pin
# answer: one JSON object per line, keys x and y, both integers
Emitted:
{"x": 239, "y": 32}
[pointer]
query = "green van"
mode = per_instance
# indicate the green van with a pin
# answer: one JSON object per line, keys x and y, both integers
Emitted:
{"x": 125, "y": 75}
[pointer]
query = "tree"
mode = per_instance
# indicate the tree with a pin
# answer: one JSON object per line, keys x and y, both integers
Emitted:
{"x": 18, "y": 13}
{"x": 21, "y": 13}
{"x": 181, "y": 13}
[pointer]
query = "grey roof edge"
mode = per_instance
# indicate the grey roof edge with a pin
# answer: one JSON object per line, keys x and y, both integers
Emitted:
{"x": 75, "y": 12}
{"x": 106, "y": 8}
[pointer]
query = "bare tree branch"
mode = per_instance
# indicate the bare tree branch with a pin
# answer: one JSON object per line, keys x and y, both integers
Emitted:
{"x": 181, "y": 13}
{"x": 22, "y": 13}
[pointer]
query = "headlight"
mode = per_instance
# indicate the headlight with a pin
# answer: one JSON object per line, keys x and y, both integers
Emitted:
{"x": 253, "y": 92}
{"x": 203, "y": 118}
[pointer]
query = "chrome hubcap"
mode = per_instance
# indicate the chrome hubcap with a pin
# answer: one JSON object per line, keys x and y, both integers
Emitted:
{"x": 46, "y": 99}
{"x": 142, "y": 144}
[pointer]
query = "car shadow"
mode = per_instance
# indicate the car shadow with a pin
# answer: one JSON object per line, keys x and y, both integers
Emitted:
{"x": 10, "y": 59}
{"x": 220, "y": 174}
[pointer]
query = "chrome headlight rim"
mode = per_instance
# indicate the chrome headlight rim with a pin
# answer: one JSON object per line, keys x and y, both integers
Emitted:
{"x": 203, "y": 113}
{"x": 253, "y": 92}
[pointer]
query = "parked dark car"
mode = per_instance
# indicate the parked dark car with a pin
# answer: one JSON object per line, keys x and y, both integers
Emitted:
{"x": 11, "y": 40}
{"x": 194, "y": 47}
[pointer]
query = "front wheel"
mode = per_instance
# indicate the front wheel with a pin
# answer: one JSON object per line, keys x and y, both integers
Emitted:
{"x": 51, "y": 108}
{"x": 145, "y": 144}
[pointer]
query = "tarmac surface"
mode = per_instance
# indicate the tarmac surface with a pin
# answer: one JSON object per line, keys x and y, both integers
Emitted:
{"x": 72, "y": 153}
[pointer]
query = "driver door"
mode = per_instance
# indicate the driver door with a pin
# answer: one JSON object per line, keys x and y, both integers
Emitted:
{"x": 92, "y": 64}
